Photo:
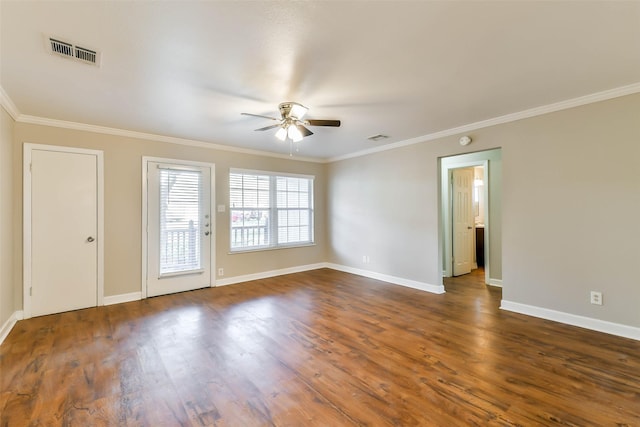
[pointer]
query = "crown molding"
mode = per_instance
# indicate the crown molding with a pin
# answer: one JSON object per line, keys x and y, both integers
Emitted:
{"x": 13, "y": 111}
{"x": 154, "y": 137}
{"x": 8, "y": 105}
{"x": 507, "y": 118}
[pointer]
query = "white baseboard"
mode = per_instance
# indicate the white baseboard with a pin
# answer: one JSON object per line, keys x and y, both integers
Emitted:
{"x": 435, "y": 289}
{"x": 495, "y": 282}
{"x": 9, "y": 324}
{"x": 135, "y": 296}
{"x": 573, "y": 319}
{"x": 267, "y": 274}
{"x": 120, "y": 298}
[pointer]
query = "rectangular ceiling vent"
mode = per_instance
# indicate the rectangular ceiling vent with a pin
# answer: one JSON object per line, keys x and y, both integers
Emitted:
{"x": 70, "y": 50}
{"x": 377, "y": 137}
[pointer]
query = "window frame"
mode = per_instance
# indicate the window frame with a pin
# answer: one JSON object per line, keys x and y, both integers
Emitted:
{"x": 273, "y": 210}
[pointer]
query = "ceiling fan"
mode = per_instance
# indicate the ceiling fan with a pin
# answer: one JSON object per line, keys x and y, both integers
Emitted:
{"x": 291, "y": 122}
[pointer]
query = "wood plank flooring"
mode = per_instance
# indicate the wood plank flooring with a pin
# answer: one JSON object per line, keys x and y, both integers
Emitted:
{"x": 320, "y": 348}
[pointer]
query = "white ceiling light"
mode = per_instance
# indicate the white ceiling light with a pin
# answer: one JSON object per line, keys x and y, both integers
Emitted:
{"x": 281, "y": 134}
{"x": 294, "y": 133}
{"x": 297, "y": 111}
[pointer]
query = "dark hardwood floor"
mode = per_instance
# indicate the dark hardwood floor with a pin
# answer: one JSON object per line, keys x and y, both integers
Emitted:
{"x": 320, "y": 348}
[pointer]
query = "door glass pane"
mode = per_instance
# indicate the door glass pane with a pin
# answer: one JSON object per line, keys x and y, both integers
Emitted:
{"x": 180, "y": 225}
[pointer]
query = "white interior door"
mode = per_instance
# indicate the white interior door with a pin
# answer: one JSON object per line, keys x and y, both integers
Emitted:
{"x": 179, "y": 227}
{"x": 61, "y": 230}
{"x": 462, "y": 209}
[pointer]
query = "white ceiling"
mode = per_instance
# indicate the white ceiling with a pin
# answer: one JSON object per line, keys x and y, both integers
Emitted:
{"x": 405, "y": 69}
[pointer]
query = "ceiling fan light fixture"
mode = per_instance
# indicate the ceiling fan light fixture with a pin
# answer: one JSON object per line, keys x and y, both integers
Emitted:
{"x": 291, "y": 126}
{"x": 294, "y": 133}
{"x": 297, "y": 110}
{"x": 281, "y": 134}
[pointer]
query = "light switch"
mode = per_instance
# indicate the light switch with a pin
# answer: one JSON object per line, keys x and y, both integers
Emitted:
{"x": 221, "y": 208}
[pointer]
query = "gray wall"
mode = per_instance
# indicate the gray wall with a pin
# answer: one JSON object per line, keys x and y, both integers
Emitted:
{"x": 123, "y": 203}
{"x": 570, "y": 205}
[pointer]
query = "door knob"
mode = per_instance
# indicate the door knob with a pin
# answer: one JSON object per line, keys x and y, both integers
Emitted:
{"x": 206, "y": 233}
{"x": 90, "y": 239}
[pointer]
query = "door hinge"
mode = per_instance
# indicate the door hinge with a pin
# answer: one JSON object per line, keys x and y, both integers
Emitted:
{"x": 30, "y": 167}
{"x": 30, "y": 292}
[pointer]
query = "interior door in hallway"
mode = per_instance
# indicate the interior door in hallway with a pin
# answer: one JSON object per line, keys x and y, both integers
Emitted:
{"x": 463, "y": 221}
{"x": 62, "y": 234}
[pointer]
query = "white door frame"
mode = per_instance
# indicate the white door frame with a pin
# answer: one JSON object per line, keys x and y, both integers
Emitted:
{"x": 26, "y": 218}
{"x": 145, "y": 161}
{"x": 447, "y": 171}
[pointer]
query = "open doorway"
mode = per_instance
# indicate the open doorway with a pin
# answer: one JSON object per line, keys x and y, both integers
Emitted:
{"x": 470, "y": 215}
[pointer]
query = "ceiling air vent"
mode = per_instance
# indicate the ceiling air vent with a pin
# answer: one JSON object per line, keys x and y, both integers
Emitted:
{"x": 61, "y": 48}
{"x": 86, "y": 55}
{"x": 70, "y": 50}
{"x": 377, "y": 137}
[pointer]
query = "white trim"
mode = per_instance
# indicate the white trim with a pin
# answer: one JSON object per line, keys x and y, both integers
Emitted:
{"x": 435, "y": 289}
{"x": 155, "y": 137}
{"x": 212, "y": 211}
{"x": 120, "y": 298}
{"x": 631, "y": 89}
{"x": 573, "y": 319}
{"x": 447, "y": 164}
{"x": 143, "y": 222}
{"x": 26, "y": 218}
{"x": 100, "y": 266}
{"x": 268, "y": 274}
{"x": 8, "y": 105}
{"x": 495, "y": 282}
{"x": 507, "y": 118}
{"x": 270, "y": 173}
{"x": 9, "y": 324}
{"x": 365, "y": 273}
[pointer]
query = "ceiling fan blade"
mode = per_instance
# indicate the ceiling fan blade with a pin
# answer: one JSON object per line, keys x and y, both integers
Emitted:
{"x": 269, "y": 127}
{"x": 258, "y": 115}
{"x": 304, "y": 131}
{"x": 334, "y": 123}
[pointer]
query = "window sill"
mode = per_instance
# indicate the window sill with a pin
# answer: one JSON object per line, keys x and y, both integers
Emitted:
{"x": 275, "y": 248}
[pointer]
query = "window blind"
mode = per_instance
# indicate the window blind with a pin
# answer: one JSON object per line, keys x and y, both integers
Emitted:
{"x": 270, "y": 210}
{"x": 180, "y": 225}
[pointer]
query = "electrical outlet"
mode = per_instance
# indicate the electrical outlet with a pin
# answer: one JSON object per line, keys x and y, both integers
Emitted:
{"x": 221, "y": 272}
{"x": 366, "y": 259}
{"x": 596, "y": 297}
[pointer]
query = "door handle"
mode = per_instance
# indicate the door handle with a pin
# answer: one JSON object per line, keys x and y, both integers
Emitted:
{"x": 469, "y": 228}
{"x": 90, "y": 239}
{"x": 206, "y": 233}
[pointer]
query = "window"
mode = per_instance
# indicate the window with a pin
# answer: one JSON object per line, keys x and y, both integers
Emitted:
{"x": 180, "y": 212}
{"x": 270, "y": 210}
